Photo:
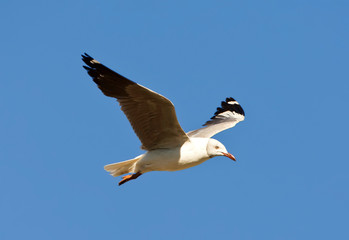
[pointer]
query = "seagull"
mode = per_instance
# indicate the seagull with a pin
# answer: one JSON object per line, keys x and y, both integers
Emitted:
{"x": 154, "y": 120}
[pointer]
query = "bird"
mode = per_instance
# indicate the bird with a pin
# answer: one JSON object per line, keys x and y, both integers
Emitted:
{"x": 153, "y": 119}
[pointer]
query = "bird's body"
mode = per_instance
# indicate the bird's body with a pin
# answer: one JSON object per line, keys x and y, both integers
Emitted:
{"x": 190, "y": 154}
{"x": 153, "y": 118}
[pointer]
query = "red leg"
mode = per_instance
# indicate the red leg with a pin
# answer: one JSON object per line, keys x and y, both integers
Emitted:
{"x": 129, "y": 177}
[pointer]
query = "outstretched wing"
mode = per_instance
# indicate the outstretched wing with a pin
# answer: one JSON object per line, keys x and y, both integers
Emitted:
{"x": 226, "y": 116}
{"x": 151, "y": 115}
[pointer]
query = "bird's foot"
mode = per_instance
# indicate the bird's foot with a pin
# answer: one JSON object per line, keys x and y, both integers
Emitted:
{"x": 125, "y": 179}
{"x": 129, "y": 177}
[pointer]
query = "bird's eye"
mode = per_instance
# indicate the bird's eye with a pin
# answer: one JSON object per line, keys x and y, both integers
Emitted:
{"x": 216, "y": 147}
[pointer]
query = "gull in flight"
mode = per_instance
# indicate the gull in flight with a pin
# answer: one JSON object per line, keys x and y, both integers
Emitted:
{"x": 154, "y": 120}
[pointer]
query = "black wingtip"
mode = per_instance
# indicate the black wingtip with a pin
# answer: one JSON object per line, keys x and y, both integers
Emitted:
{"x": 90, "y": 68}
{"x": 85, "y": 55}
{"x": 230, "y": 104}
{"x": 87, "y": 68}
{"x": 229, "y": 99}
{"x": 87, "y": 59}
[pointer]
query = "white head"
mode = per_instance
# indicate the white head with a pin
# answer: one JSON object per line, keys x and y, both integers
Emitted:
{"x": 215, "y": 148}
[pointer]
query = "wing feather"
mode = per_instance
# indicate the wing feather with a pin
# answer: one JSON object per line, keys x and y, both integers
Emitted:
{"x": 226, "y": 116}
{"x": 152, "y": 116}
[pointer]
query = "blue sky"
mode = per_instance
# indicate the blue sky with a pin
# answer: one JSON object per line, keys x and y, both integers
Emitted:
{"x": 286, "y": 62}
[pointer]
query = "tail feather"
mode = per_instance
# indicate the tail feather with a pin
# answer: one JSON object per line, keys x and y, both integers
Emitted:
{"x": 120, "y": 168}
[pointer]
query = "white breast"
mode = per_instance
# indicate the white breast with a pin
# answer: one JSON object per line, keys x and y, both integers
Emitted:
{"x": 190, "y": 154}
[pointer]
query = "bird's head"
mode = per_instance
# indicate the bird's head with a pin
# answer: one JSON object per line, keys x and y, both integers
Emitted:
{"x": 215, "y": 148}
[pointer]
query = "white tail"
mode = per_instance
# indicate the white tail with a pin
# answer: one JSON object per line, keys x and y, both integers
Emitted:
{"x": 120, "y": 168}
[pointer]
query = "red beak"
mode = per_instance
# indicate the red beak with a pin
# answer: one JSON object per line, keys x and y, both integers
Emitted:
{"x": 229, "y": 155}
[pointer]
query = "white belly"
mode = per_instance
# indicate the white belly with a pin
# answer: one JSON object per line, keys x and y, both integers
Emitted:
{"x": 188, "y": 155}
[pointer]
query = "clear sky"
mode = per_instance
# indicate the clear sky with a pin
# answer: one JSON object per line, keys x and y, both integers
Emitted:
{"x": 286, "y": 62}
